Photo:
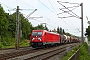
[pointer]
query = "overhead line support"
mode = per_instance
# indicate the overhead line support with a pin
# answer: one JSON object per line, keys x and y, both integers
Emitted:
{"x": 17, "y": 29}
{"x": 82, "y": 22}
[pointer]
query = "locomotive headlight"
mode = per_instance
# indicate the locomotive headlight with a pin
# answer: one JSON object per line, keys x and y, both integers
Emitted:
{"x": 40, "y": 39}
{"x": 33, "y": 38}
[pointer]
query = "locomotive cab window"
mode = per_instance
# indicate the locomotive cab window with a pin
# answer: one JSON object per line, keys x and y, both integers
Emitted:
{"x": 37, "y": 34}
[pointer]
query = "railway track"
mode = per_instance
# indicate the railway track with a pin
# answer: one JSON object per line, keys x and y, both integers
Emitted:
{"x": 13, "y": 48}
{"x": 14, "y": 53}
{"x": 22, "y": 51}
{"x": 49, "y": 54}
{"x": 32, "y": 54}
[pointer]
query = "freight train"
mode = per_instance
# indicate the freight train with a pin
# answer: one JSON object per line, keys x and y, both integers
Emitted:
{"x": 43, "y": 38}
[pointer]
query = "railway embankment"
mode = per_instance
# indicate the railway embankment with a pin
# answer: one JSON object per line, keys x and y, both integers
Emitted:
{"x": 83, "y": 53}
{"x": 89, "y": 48}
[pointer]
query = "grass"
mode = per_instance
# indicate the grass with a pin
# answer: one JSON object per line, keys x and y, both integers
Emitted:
{"x": 24, "y": 43}
{"x": 10, "y": 43}
{"x": 84, "y": 55}
{"x": 69, "y": 54}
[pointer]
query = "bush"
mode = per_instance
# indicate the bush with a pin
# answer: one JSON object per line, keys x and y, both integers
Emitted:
{"x": 84, "y": 52}
{"x": 7, "y": 42}
{"x": 24, "y": 43}
{"x": 1, "y": 45}
{"x": 68, "y": 55}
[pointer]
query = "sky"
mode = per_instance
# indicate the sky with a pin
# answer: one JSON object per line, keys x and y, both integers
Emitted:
{"x": 48, "y": 12}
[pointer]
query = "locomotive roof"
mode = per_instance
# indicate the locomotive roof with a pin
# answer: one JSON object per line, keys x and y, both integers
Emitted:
{"x": 47, "y": 31}
{"x": 39, "y": 30}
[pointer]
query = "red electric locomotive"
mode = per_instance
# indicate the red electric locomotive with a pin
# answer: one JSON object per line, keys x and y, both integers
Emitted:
{"x": 43, "y": 38}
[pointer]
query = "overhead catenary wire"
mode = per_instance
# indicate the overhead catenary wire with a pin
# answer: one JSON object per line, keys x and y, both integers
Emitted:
{"x": 47, "y": 18}
{"x": 69, "y": 10}
{"x": 52, "y": 5}
{"x": 9, "y": 8}
{"x": 71, "y": 7}
{"x": 74, "y": 7}
{"x": 5, "y": 5}
{"x": 68, "y": 2}
{"x": 26, "y": 4}
{"x": 47, "y": 7}
{"x": 67, "y": 24}
{"x": 68, "y": 13}
{"x": 73, "y": 25}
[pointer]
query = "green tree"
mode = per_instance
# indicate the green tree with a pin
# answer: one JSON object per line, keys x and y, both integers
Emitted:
{"x": 68, "y": 34}
{"x": 26, "y": 27}
{"x": 88, "y": 33}
{"x": 39, "y": 27}
{"x": 46, "y": 28}
{"x": 3, "y": 23}
{"x": 58, "y": 31}
{"x": 12, "y": 24}
{"x": 61, "y": 31}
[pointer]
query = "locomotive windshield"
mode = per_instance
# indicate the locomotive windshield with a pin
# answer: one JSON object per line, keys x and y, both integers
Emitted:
{"x": 37, "y": 34}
